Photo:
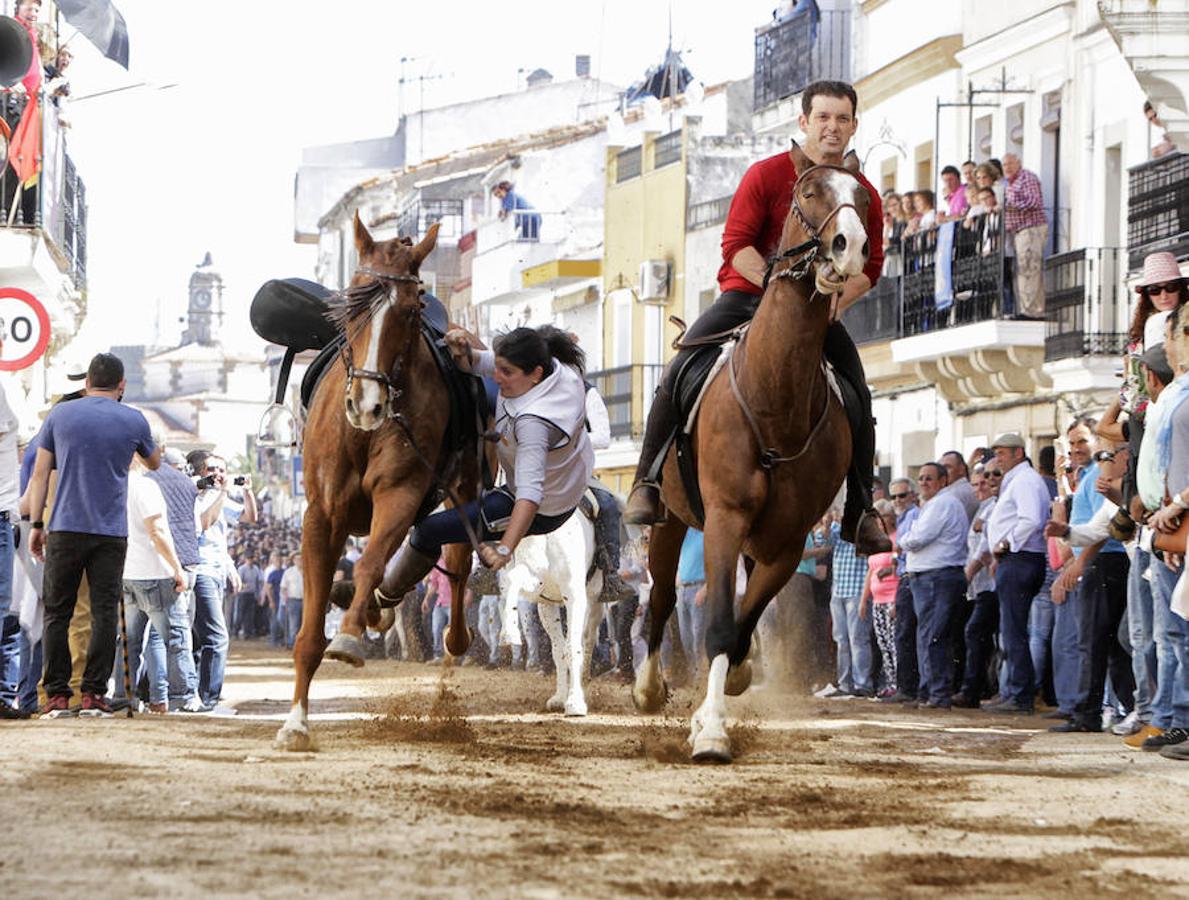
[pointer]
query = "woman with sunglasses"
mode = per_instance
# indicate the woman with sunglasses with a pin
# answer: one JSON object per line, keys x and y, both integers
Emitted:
{"x": 1161, "y": 289}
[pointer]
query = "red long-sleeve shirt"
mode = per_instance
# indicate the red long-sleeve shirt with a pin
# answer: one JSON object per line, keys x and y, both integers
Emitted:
{"x": 757, "y": 214}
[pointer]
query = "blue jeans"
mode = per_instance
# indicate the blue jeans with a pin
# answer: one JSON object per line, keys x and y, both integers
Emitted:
{"x": 211, "y": 629}
{"x": 441, "y": 618}
{"x": 1141, "y": 635}
{"x": 1067, "y": 653}
{"x": 156, "y": 603}
{"x": 691, "y": 622}
{"x": 10, "y": 627}
{"x": 526, "y": 612}
{"x": 489, "y": 625}
{"x": 1170, "y": 705}
{"x": 936, "y": 594}
{"x": 30, "y": 673}
{"x": 1040, "y": 635}
{"x": 1018, "y": 578}
{"x": 294, "y": 606}
{"x": 853, "y": 637}
{"x": 981, "y": 628}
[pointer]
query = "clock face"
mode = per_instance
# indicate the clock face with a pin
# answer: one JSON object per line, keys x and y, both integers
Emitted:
{"x": 202, "y": 299}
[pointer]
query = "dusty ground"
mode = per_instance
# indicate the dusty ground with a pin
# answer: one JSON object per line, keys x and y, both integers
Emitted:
{"x": 459, "y": 788}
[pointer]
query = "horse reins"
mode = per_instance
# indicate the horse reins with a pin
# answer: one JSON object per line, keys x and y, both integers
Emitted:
{"x": 389, "y": 382}
{"x": 801, "y": 257}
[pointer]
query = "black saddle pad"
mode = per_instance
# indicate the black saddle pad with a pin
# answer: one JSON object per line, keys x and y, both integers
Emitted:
{"x": 690, "y": 376}
{"x": 291, "y": 312}
{"x": 317, "y": 370}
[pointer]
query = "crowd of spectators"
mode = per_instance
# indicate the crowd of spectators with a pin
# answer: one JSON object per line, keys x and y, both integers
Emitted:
{"x": 998, "y": 204}
{"x": 1056, "y": 588}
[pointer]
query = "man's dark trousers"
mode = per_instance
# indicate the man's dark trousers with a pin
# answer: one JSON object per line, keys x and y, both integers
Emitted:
{"x": 908, "y": 673}
{"x": 68, "y": 555}
{"x": 936, "y": 594}
{"x": 1103, "y": 603}
{"x": 980, "y": 642}
{"x": 1018, "y": 578}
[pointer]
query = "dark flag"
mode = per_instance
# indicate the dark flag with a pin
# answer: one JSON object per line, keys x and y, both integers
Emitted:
{"x": 100, "y": 23}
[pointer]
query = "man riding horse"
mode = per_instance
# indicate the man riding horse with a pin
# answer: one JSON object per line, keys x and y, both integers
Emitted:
{"x": 752, "y": 233}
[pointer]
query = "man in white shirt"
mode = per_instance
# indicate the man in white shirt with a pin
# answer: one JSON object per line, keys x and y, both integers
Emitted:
{"x": 293, "y": 596}
{"x": 936, "y": 545}
{"x": 1015, "y": 537}
{"x": 154, "y": 590}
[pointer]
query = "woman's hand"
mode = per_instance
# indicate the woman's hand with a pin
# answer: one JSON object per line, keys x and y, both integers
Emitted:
{"x": 1166, "y": 520}
{"x": 458, "y": 340}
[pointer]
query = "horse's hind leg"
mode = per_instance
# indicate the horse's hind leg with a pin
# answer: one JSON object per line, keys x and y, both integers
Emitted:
{"x": 321, "y": 542}
{"x": 650, "y": 691}
{"x": 458, "y": 563}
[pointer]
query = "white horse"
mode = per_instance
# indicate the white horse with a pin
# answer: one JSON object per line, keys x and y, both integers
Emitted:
{"x": 550, "y": 569}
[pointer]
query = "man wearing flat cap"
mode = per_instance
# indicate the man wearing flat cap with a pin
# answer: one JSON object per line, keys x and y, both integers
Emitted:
{"x": 1015, "y": 535}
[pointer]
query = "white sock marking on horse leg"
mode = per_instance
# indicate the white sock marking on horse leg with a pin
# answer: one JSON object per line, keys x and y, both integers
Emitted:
{"x": 551, "y": 620}
{"x": 710, "y": 719}
{"x": 577, "y": 609}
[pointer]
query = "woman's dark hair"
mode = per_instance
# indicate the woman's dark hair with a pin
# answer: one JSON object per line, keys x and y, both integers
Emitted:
{"x": 502, "y": 186}
{"x": 1145, "y": 308}
{"x": 527, "y": 348}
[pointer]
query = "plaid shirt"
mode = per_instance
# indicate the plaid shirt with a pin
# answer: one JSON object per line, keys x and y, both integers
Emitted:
{"x": 850, "y": 569}
{"x": 1024, "y": 202}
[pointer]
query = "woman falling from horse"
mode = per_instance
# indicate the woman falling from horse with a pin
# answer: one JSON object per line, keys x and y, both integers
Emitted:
{"x": 543, "y": 449}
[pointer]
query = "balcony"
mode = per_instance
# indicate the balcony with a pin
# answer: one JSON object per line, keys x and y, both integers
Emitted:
{"x": 1158, "y": 208}
{"x": 55, "y": 208}
{"x": 504, "y": 248}
{"x": 944, "y": 314}
{"x": 627, "y": 391}
{"x": 806, "y": 46}
{"x": 1085, "y": 312}
{"x": 416, "y": 218}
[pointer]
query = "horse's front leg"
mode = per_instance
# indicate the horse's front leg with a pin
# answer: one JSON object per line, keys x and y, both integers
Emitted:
{"x": 322, "y": 540}
{"x": 723, "y": 541}
{"x": 577, "y": 620}
{"x": 392, "y": 516}
{"x": 550, "y": 614}
{"x": 458, "y": 563}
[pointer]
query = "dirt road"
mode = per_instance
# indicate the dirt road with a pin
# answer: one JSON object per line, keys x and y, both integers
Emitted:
{"x": 458, "y": 787}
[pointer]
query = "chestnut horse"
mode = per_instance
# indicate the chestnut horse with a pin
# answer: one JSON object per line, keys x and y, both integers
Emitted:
{"x": 372, "y": 441}
{"x": 772, "y": 446}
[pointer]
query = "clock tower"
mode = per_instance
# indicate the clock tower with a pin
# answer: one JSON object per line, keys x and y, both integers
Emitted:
{"x": 204, "y": 317}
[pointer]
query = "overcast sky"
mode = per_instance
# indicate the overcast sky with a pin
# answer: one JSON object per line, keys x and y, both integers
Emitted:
{"x": 209, "y": 164}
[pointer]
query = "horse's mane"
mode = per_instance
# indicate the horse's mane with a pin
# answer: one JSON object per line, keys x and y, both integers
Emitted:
{"x": 358, "y": 301}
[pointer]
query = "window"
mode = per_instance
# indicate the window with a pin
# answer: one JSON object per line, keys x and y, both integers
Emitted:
{"x": 666, "y": 150}
{"x": 627, "y": 164}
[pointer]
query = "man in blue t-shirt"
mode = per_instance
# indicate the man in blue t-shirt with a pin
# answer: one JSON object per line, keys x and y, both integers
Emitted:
{"x": 90, "y": 442}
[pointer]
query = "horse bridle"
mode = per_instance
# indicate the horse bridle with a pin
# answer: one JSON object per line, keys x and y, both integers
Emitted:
{"x": 803, "y": 255}
{"x": 388, "y": 380}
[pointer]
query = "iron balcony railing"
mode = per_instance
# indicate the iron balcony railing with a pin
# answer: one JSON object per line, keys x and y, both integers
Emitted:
{"x": 804, "y": 47}
{"x": 1085, "y": 294}
{"x": 1158, "y": 208}
{"x": 628, "y": 163}
{"x": 416, "y": 218}
{"x": 627, "y": 391}
{"x": 56, "y": 202}
{"x": 708, "y": 213}
{"x": 666, "y": 150}
{"x": 933, "y": 281}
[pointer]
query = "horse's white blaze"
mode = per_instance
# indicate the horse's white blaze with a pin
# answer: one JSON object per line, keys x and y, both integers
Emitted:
{"x": 371, "y": 393}
{"x": 848, "y": 224}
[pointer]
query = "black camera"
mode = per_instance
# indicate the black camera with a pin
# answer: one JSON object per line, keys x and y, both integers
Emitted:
{"x": 240, "y": 480}
{"x": 205, "y": 482}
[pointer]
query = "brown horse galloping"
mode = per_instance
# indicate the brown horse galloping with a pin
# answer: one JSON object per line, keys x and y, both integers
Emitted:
{"x": 776, "y": 404}
{"x": 364, "y": 473}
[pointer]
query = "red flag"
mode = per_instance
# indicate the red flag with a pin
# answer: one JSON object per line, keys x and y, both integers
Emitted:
{"x": 25, "y": 147}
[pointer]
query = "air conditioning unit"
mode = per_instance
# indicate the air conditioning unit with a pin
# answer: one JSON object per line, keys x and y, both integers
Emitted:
{"x": 654, "y": 281}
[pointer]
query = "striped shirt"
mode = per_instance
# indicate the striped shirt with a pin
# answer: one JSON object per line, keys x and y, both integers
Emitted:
{"x": 850, "y": 569}
{"x": 1024, "y": 202}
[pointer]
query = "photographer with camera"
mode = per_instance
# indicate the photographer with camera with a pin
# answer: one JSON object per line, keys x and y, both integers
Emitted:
{"x": 216, "y": 509}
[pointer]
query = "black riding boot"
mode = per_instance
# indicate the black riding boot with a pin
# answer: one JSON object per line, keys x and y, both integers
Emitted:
{"x": 401, "y": 575}
{"x": 860, "y": 524}
{"x": 643, "y": 507}
{"x": 607, "y": 540}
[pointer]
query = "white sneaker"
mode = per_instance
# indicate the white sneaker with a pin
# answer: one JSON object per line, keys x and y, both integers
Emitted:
{"x": 1130, "y": 725}
{"x": 194, "y": 705}
{"x": 828, "y": 691}
{"x": 1109, "y": 716}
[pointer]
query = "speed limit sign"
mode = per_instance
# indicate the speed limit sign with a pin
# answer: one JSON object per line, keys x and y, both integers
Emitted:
{"x": 24, "y": 329}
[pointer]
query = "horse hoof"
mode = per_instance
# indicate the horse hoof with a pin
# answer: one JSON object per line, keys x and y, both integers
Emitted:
{"x": 555, "y": 704}
{"x": 459, "y": 650}
{"x": 294, "y": 741}
{"x": 346, "y": 648}
{"x": 712, "y": 750}
{"x": 576, "y": 708}
{"x": 650, "y": 701}
{"x": 738, "y": 678}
